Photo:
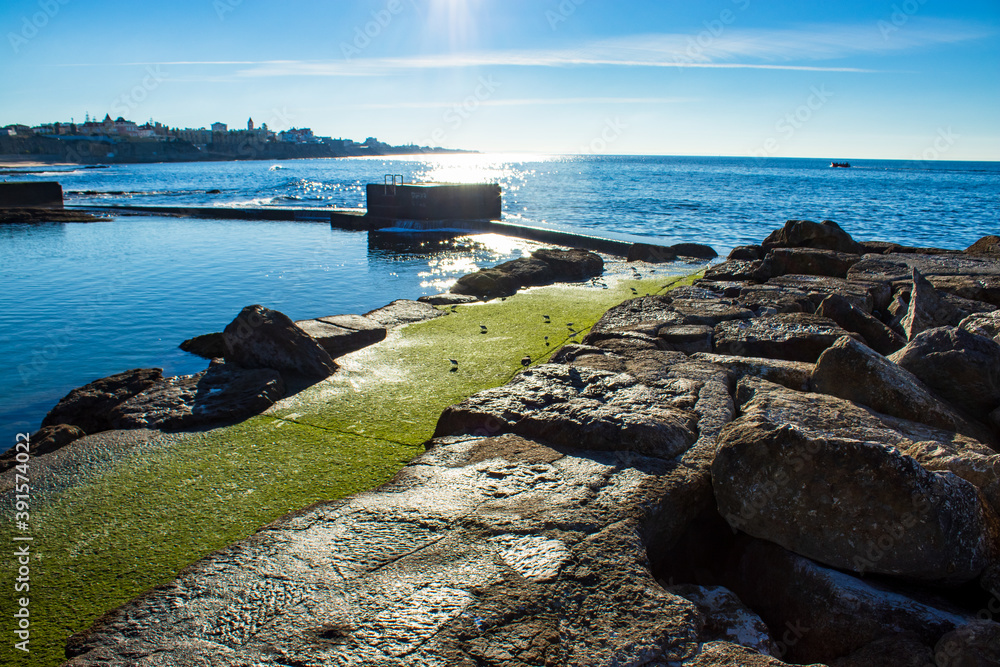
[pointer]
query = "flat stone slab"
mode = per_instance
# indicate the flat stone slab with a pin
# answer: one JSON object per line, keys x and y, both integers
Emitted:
{"x": 403, "y": 311}
{"x": 343, "y": 334}
{"x": 789, "y": 336}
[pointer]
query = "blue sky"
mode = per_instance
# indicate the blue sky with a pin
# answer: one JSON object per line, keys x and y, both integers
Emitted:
{"x": 874, "y": 79}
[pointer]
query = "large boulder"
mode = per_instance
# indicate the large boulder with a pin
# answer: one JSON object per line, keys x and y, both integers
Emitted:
{"x": 545, "y": 266}
{"x": 694, "y": 250}
{"x": 853, "y": 371}
{"x": 790, "y": 336}
{"x": 571, "y": 265}
{"x": 821, "y": 614}
{"x": 581, "y": 408}
{"x": 867, "y": 296}
{"x": 773, "y": 299}
{"x": 792, "y": 374}
{"x": 983, "y": 324}
{"x": 343, "y": 334}
{"x": 223, "y": 393}
{"x": 486, "y": 284}
{"x": 957, "y": 365}
{"x": 974, "y": 645}
{"x": 647, "y": 252}
{"x": 898, "y": 650}
{"x": 750, "y": 270}
{"x": 822, "y": 416}
{"x": 988, "y": 246}
{"x": 43, "y": 441}
{"x": 879, "y": 337}
{"x": 808, "y": 234}
{"x": 898, "y": 267}
{"x": 981, "y": 288}
{"x": 263, "y": 338}
{"x": 811, "y": 261}
{"x": 88, "y": 407}
{"x": 851, "y": 504}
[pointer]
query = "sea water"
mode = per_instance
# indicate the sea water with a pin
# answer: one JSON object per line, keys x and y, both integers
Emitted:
{"x": 83, "y": 301}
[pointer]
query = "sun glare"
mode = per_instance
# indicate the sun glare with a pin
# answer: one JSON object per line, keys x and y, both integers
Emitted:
{"x": 455, "y": 19}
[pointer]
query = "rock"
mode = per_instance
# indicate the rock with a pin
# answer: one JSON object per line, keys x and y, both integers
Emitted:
{"x": 988, "y": 246}
{"x": 902, "y": 650}
{"x": 790, "y": 336}
{"x": 981, "y": 289}
{"x": 652, "y": 311}
{"x": 898, "y": 268}
{"x": 976, "y": 644}
{"x": 223, "y": 393}
{"x": 694, "y": 250}
{"x": 773, "y": 299}
{"x": 544, "y": 267}
{"x": 927, "y": 309}
{"x": 263, "y": 338}
{"x": 808, "y": 234}
{"x": 571, "y": 265}
{"x": 795, "y": 375}
{"x": 206, "y": 346}
{"x": 824, "y": 614}
{"x": 850, "y": 504}
{"x": 756, "y": 271}
{"x": 822, "y": 416}
{"x": 726, "y": 654}
{"x": 959, "y": 366}
{"x": 87, "y": 407}
{"x": 448, "y": 299}
{"x": 727, "y": 619}
{"x": 879, "y": 337}
{"x": 44, "y": 440}
{"x": 401, "y": 312}
{"x": 983, "y": 324}
{"x": 865, "y": 296}
{"x": 655, "y": 254}
{"x": 811, "y": 261}
{"x": 687, "y": 338}
{"x": 746, "y": 252}
{"x": 708, "y": 311}
{"x": 486, "y": 284}
{"x": 581, "y": 408}
{"x": 855, "y": 372}
{"x": 728, "y": 289}
{"x": 342, "y": 334}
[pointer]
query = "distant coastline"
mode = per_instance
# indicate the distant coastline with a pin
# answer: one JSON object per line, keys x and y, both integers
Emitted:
{"x": 52, "y": 150}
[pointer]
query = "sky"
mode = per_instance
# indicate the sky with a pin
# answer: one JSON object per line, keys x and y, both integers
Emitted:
{"x": 890, "y": 79}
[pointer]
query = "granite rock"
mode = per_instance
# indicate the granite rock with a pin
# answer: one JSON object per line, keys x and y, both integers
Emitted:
{"x": 789, "y": 336}
{"x": 263, "y": 338}
{"x": 88, "y": 407}
{"x": 807, "y": 234}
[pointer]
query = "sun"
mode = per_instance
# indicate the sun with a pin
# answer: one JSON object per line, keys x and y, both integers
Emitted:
{"x": 456, "y": 19}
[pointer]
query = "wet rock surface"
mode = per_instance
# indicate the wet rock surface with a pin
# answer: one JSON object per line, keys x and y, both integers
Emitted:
{"x": 778, "y": 493}
{"x": 544, "y": 267}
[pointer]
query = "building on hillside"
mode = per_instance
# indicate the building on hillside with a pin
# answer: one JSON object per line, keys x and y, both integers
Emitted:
{"x": 220, "y": 127}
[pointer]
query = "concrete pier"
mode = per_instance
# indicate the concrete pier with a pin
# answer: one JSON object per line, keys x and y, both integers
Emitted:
{"x": 41, "y": 194}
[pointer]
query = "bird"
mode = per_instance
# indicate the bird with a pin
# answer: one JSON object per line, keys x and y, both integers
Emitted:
{"x": 526, "y": 361}
{"x": 547, "y": 318}
{"x": 454, "y": 362}
{"x": 569, "y": 324}
{"x": 635, "y": 291}
{"x": 482, "y": 328}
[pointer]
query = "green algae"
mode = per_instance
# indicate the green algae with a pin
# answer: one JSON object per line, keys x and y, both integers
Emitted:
{"x": 138, "y": 524}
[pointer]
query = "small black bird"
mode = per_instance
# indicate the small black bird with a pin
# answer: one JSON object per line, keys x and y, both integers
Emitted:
{"x": 482, "y": 328}
{"x": 547, "y": 318}
{"x": 454, "y": 362}
{"x": 526, "y": 361}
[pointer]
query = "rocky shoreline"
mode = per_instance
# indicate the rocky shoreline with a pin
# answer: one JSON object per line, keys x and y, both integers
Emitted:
{"x": 790, "y": 462}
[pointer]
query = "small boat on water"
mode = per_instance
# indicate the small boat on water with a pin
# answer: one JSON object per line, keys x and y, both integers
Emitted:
{"x": 841, "y": 165}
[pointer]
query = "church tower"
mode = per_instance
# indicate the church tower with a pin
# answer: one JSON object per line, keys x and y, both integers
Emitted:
{"x": 250, "y": 124}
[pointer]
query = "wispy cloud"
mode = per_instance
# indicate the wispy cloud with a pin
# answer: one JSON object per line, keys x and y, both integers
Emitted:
{"x": 787, "y": 49}
{"x": 528, "y": 102}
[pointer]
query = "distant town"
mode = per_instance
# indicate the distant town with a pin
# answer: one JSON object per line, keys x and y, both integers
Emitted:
{"x": 120, "y": 140}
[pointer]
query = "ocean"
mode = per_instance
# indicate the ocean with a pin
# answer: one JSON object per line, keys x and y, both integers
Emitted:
{"x": 83, "y": 301}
